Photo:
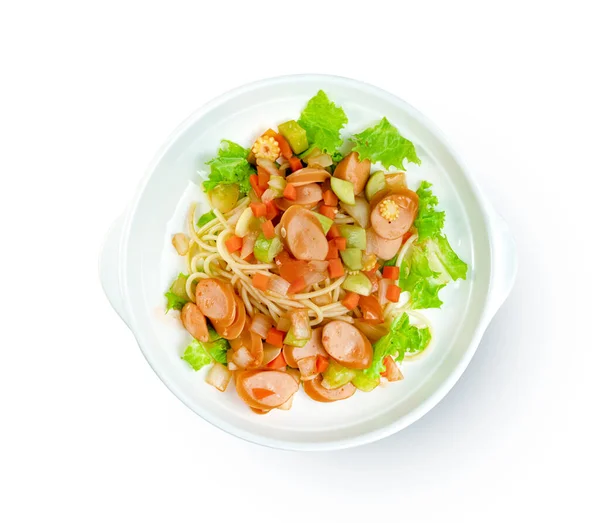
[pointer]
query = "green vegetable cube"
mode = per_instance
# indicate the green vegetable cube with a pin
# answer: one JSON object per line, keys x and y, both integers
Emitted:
{"x": 295, "y": 135}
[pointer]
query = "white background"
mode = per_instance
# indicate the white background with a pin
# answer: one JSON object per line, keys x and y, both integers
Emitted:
{"x": 89, "y": 91}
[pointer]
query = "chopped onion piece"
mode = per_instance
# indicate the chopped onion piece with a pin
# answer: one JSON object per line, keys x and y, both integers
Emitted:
{"x": 260, "y": 325}
{"x": 278, "y": 285}
{"x": 242, "y": 357}
{"x": 277, "y": 184}
{"x": 321, "y": 160}
{"x": 269, "y": 353}
{"x": 284, "y": 324}
{"x": 312, "y": 277}
{"x": 360, "y": 211}
{"x": 323, "y": 299}
{"x": 300, "y": 324}
{"x": 318, "y": 265}
{"x": 294, "y": 373}
{"x": 268, "y": 166}
{"x": 248, "y": 244}
{"x": 218, "y": 376}
{"x": 308, "y": 368}
{"x": 269, "y": 195}
{"x": 243, "y": 223}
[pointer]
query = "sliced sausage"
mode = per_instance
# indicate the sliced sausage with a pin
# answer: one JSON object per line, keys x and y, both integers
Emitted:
{"x": 351, "y": 170}
{"x": 393, "y": 214}
{"x": 380, "y": 247}
{"x": 307, "y": 196}
{"x": 265, "y": 389}
{"x": 313, "y": 347}
{"x": 303, "y": 234}
{"x": 194, "y": 321}
{"x": 231, "y": 332}
{"x": 347, "y": 345}
{"x": 247, "y": 349}
{"x": 306, "y": 176}
{"x": 315, "y": 390}
{"x": 216, "y": 300}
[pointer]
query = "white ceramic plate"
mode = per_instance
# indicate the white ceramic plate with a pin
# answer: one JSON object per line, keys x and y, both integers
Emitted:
{"x": 138, "y": 263}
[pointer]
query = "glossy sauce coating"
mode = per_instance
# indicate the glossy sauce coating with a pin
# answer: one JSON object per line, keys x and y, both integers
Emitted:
{"x": 347, "y": 345}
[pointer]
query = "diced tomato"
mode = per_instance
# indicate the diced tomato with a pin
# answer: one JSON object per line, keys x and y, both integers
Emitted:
{"x": 272, "y": 210}
{"x": 261, "y": 394}
{"x": 340, "y": 243}
{"x": 295, "y": 163}
{"x": 329, "y": 198}
{"x": 260, "y": 281}
{"x": 393, "y": 293}
{"x": 350, "y": 301}
{"x": 373, "y": 279}
{"x": 278, "y": 362}
{"x": 258, "y": 209}
{"x": 391, "y": 271}
{"x": 388, "y": 361}
{"x": 407, "y": 236}
{"x": 268, "y": 229}
{"x": 334, "y": 232}
{"x": 234, "y": 243}
{"x": 336, "y": 269}
{"x": 282, "y": 257}
{"x": 322, "y": 363}
{"x": 254, "y": 183}
{"x": 263, "y": 178}
{"x": 290, "y": 193}
{"x": 284, "y": 147}
{"x": 275, "y": 337}
{"x": 332, "y": 253}
{"x": 391, "y": 372}
{"x": 371, "y": 309}
{"x": 325, "y": 210}
{"x": 297, "y": 285}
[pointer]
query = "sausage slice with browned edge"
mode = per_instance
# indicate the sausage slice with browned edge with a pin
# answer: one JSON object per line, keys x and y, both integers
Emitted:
{"x": 347, "y": 345}
{"x": 216, "y": 300}
{"x": 265, "y": 389}
{"x": 380, "y": 247}
{"x": 315, "y": 390}
{"x": 303, "y": 234}
{"x": 313, "y": 347}
{"x": 393, "y": 214}
{"x": 194, "y": 321}
{"x": 353, "y": 171}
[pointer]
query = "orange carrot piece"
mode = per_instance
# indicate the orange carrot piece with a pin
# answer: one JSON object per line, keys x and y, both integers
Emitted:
{"x": 272, "y": 210}
{"x": 350, "y": 301}
{"x": 334, "y": 232}
{"x": 275, "y": 337}
{"x": 340, "y": 243}
{"x": 295, "y": 163}
{"x": 268, "y": 229}
{"x": 391, "y": 271}
{"x": 322, "y": 363}
{"x": 284, "y": 147}
{"x": 328, "y": 211}
{"x": 263, "y": 178}
{"x": 297, "y": 286}
{"x": 393, "y": 293}
{"x": 336, "y": 269}
{"x": 258, "y": 209}
{"x": 260, "y": 282}
{"x": 329, "y": 198}
{"x": 290, "y": 193}
{"x": 234, "y": 243}
{"x": 254, "y": 183}
{"x": 278, "y": 362}
{"x": 332, "y": 253}
{"x": 261, "y": 394}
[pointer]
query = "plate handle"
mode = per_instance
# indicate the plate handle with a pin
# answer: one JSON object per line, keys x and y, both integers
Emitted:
{"x": 108, "y": 266}
{"x": 504, "y": 262}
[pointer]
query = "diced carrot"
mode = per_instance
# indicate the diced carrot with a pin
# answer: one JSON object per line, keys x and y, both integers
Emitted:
{"x": 290, "y": 193}
{"x": 272, "y": 210}
{"x": 297, "y": 286}
{"x": 260, "y": 281}
{"x": 261, "y": 394}
{"x": 332, "y": 253}
{"x": 258, "y": 209}
{"x": 350, "y": 301}
{"x": 340, "y": 243}
{"x": 336, "y": 269}
{"x": 234, "y": 243}
{"x": 254, "y": 183}
{"x": 393, "y": 293}
{"x": 388, "y": 361}
{"x": 263, "y": 178}
{"x": 329, "y": 198}
{"x": 333, "y": 233}
{"x": 295, "y": 163}
{"x": 284, "y": 147}
{"x": 322, "y": 363}
{"x": 275, "y": 337}
{"x": 278, "y": 362}
{"x": 325, "y": 210}
{"x": 391, "y": 271}
{"x": 268, "y": 229}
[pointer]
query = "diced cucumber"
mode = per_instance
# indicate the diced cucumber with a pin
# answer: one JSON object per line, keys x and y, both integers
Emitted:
{"x": 178, "y": 287}
{"x": 224, "y": 197}
{"x": 337, "y": 376}
{"x": 326, "y": 223}
{"x": 375, "y": 184}
{"x": 295, "y": 135}
{"x": 352, "y": 258}
{"x": 290, "y": 339}
{"x": 364, "y": 382}
{"x": 266, "y": 250}
{"x": 343, "y": 189}
{"x": 358, "y": 283}
{"x": 356, "y": 237}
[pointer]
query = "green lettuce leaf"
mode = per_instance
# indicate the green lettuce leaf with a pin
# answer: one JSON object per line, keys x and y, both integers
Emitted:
{"x": 429, "y": 222}
{"x": 177, "y": 295}
{"x": 205, "y": 218}
{"x": 383, "y": 143}
{"x": 418, "y": 278}
{"x": 230, "y": 166}
{"x": 174, "y": 302}
{"x": 199, "y": 354}
{"x": 402, "y": 339}
{"x": 323, "y": 120}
